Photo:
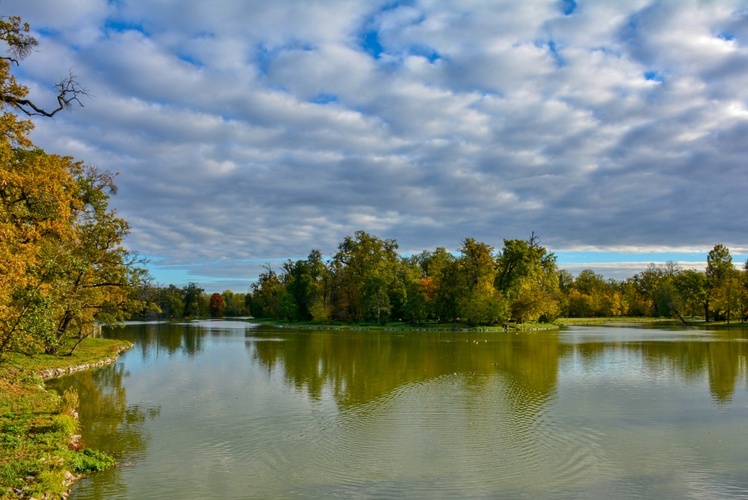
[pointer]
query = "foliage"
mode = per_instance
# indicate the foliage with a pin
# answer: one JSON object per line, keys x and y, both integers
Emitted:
{"x": 171, "y": 303}
{"x": 62, "y": 264}
{"x": 217, "y": 305}
{"x": 367, "y": 282}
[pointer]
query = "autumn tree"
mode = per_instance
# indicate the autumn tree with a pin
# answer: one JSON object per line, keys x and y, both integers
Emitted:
{"x": 216, "y": 305}
{"x": 63, "y": 267}
{"x": 591, "y": 295}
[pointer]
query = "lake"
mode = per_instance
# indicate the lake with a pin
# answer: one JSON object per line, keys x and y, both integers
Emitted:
{"x": 227, "y": 409}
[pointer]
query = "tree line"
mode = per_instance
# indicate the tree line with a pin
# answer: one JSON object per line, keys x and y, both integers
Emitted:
{"x": 172, "y": 302}
{"x": 366, "y": 280}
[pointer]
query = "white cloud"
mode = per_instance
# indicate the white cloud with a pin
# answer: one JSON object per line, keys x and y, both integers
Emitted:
{"x": 261, "y": 130}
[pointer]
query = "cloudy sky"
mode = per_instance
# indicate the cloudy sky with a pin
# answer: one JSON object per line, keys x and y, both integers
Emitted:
{"x": 249, "y": 132}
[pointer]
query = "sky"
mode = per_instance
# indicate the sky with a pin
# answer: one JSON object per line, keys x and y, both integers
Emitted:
{"x": 246, "y": 133}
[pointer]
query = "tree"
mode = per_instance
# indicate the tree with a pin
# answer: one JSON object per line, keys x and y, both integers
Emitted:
{"x": 19, "y": 44}
{"x": 267, "y": 292}
{"x": 62, "y": 264}
{"x": 235, "y": 304}
{"x": 216, "y": 305}
{"x": 171, "y": 302}
{"x": 365, "y": 272}
{"x": 306, "y": 286}
{"x": 590, "y": 296}
{"x": 691, "y": 285}
{"x": 479, "y": 301}
{"x": 98, "y": 278}
{"x": 192, "y": 295}
{"x": 527, "y": 275}
{"x": 719, "y": 279}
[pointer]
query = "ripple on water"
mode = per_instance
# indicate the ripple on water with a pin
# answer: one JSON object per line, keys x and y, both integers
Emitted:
{"x": 455, "y": 432}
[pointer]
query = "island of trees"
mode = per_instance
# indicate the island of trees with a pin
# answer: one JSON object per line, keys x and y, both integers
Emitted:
{"x": 367, "y": 281}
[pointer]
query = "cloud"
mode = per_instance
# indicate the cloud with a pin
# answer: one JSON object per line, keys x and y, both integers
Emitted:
{"x": 259, "y": 130}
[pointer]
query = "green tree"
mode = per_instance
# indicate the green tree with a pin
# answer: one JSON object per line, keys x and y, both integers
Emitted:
{"x": 365, "y": 269}
{"x": 267, "y": 292}
{"x": 171, "y": 302}
{"x": 479, "y": 301}
{"x": 719, "y": 280}
{"x": 191, "y": 296}
{"x": 306, "y": 286}
{"x": 235, "y": 304}
{"x": 527, "y": 275}
{"x": 691, "y": 285}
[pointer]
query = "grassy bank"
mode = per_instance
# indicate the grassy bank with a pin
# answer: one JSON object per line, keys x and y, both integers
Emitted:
{"x": 613, "y": 319}
{"x": 400, "y": 326}
{"x": 39, "y": 452}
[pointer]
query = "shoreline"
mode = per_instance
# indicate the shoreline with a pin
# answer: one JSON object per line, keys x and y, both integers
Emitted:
{"x": 52, "y": 373}
{"x": 26, "y": 405}
{"x": 48, "y": 374}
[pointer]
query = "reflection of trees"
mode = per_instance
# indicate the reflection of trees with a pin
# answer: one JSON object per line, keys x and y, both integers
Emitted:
{"x": 108, "y": 423}
{"x": 171, "y": 338}
{"x": 723, "y": 359}
{"x": 358, "y": 367}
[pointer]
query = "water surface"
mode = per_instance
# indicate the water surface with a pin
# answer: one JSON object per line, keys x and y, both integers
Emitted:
{"x": 232, "y": 410}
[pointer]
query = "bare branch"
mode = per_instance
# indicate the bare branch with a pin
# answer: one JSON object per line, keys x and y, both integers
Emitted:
{"x": 69, "y": 91}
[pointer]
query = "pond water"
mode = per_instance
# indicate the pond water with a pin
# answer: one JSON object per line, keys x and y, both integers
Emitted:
{"x": 222, "y": 409}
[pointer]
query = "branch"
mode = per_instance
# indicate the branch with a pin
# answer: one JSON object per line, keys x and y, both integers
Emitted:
{"x": 69, "y": 91}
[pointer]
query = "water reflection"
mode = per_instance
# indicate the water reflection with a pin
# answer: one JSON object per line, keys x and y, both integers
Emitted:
{"x": 108, "y": 422}
{"x": 721, "y": 357}
{"x": 319, "y": 413}
{"x": 359, "y": 367}
{"x": 155, "y": 339}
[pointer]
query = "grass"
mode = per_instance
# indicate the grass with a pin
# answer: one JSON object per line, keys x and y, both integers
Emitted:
{"x": 38, "y": 455}
{"x": 402, "y": 326}
{"x": 614, "y": 319}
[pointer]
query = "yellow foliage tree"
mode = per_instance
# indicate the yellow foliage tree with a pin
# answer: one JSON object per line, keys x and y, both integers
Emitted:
{"x": 62, "y": 264}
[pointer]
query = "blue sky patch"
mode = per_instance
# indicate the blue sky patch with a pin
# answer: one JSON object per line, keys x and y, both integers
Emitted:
{"x": 653, "y": 76}
{"x": 371, "y": 44}
{"x": 568, "y": 7}
{"x": 324, "y": 98}
{"x": 121, "y": 26}
{"x": 191, "y": 60}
